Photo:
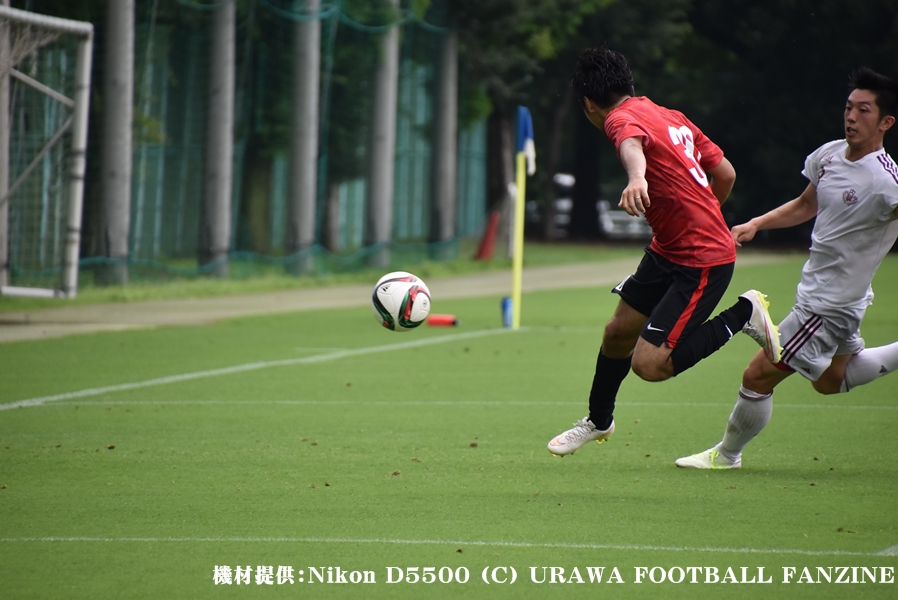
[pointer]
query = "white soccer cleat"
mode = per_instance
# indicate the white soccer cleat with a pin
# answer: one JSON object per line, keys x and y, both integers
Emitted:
{"x": 709, "y": 459}
{"x": 582, "y": 432}
{"x": 761, "y": 328}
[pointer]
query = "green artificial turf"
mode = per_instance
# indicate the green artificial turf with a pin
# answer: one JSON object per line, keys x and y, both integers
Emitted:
{"x": 319, "y": 439}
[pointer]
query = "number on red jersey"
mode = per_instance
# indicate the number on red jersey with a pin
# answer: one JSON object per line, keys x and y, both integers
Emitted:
{"x": 683, "y": 137}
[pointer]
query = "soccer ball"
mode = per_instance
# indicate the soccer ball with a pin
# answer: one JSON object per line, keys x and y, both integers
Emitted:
{"x": 400, "y": 301}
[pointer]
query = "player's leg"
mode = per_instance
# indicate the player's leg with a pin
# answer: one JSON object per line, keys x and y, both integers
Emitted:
{"x": 754, "y": 405}
{"x": 639, "y": 294}
{"x": 833, "y": 379}
{"x": 855, "y": 365}
{"x": 749, "y": 315}
{"x": 613, "y": 362}
{"x": 678, "y": 335}
{"x": 869, "y": 365}
{"x": 651, "y": 362}
{"x": 810, "y": 344}
{"x": 749, "y": 416}
{"x": 691, "y": 295}
{"x": 612, "y": 367}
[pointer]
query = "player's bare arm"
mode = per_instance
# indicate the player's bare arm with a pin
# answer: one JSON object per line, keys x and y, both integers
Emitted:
{"x": 794, "y": 212}
{"x": 635, "y": 197}
{"x": 723, "y": 177}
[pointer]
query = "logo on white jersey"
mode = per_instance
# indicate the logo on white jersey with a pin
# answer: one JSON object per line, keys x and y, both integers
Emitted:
{"x": 850, "y": 197}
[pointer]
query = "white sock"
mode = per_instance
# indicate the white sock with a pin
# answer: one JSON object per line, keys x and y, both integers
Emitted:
{"x": 870, "y": 364}
{"x": 750, "y": 415}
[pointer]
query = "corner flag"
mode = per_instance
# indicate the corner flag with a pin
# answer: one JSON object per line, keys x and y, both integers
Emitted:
{"x": 525, "y": 139}
{"x": 525, "y": 165}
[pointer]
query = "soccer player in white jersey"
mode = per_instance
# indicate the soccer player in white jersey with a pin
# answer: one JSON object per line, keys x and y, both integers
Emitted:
{"x": 853, "y": 192}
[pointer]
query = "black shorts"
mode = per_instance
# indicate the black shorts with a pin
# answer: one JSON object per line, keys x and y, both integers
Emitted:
{"x": 676, "y": 299}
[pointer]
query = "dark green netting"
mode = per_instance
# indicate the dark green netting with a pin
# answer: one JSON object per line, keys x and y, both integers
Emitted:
{"x": 170, "y": 81}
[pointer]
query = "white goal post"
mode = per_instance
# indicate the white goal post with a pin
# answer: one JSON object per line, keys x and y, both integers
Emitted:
{"x": 22, "y": 34}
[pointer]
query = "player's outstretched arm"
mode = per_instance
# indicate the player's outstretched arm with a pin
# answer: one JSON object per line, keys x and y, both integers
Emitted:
{"x": 794, "y": 212}
{"x": 635, "y": 197}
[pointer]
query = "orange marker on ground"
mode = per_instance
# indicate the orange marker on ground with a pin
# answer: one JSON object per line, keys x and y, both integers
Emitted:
{"x": 442, "y": 320}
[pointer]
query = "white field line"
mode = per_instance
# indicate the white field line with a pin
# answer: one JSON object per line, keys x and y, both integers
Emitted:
{"x": 437, "y": 403}
{"x": 253, "y": 367}
{"x": 402, "y": 542}
{"x": 60, "y": 399}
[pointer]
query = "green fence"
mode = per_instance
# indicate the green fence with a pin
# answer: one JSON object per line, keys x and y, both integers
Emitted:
{"x": 169, "y": 88}
{"x": 170, "y": 82}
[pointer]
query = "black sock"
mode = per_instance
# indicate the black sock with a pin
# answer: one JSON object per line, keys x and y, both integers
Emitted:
{"x": 710, "y": 336}
{"x": 610, "y": 372}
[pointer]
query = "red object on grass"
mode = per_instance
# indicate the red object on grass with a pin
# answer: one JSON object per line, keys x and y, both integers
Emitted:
{"x": 485, "y": 252}
{"x": 442, "y": 320}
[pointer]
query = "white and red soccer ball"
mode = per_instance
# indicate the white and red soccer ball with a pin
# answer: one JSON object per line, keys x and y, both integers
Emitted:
{"x": 400, "y": 301}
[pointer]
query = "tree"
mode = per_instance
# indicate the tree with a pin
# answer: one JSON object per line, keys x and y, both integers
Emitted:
{"x": 646, "y": 32}
{"x": 775, "y": 76}
{"x": 347, "y": 62}
{"x": 503, "y": 45}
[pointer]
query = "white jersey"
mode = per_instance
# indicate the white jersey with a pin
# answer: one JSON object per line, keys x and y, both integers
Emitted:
{"x": 855, "y": 228}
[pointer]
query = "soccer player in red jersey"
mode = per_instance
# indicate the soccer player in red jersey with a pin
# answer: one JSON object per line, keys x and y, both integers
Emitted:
{"x": 678, "y": 178}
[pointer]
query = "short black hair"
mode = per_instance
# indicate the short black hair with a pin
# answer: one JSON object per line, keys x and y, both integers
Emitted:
{"x": 885, "y": 88}
{"x": 603, "y": 76}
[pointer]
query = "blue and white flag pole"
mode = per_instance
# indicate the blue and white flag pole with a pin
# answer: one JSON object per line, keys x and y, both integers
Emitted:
{"x": 525, "y": 165}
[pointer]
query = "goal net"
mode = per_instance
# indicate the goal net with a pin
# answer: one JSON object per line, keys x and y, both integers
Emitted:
{"x": 44, "y": 92}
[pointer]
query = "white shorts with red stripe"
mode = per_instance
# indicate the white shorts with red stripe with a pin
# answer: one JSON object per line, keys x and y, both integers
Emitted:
{"x": 810, "y": 340}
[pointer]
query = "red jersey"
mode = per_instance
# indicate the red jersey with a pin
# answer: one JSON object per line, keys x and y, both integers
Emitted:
{"x": 685, "y": 217}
